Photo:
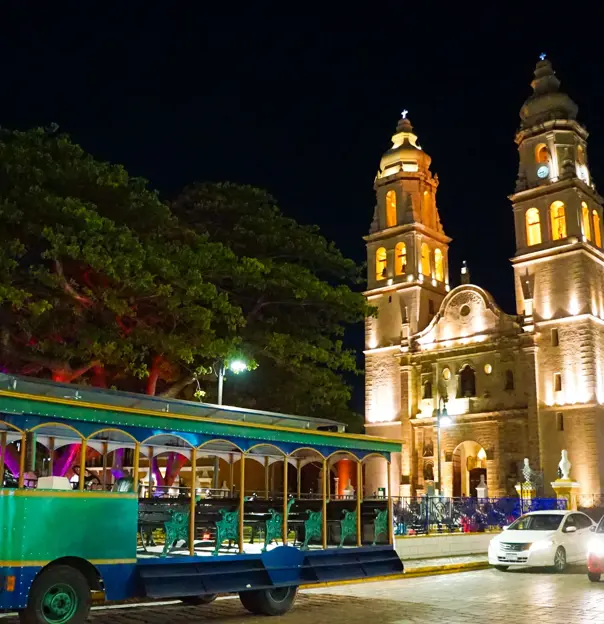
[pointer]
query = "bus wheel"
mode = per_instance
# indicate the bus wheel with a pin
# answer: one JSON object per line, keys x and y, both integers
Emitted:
{"x": 59, "y": 595}
{"x": 276, "y": 601}
{"x": 195, "y": 601}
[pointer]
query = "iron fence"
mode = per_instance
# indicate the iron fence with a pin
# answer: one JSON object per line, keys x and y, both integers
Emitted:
{"x": 423, "y": 515}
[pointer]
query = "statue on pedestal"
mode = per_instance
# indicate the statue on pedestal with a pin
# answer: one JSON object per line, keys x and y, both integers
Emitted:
{"x": 564, "y": 466}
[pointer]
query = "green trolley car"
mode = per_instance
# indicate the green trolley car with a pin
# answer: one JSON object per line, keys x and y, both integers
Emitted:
{"x": 114, "y": 496}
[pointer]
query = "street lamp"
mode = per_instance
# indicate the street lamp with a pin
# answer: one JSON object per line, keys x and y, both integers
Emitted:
{"x": 220, "y": 369}
{"x": 442, "y": 420}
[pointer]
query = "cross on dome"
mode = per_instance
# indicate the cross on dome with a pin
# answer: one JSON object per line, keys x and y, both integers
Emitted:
{"x": 542, "y": 56}
{"x": 404, "y": 113}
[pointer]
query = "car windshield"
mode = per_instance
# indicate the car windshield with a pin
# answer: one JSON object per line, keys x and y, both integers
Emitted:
{"x": 600, "y": 528}
{"x": 538, "y": 522}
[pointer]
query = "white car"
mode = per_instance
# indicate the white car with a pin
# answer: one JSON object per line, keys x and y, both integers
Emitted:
{"x": 543, "y": 538}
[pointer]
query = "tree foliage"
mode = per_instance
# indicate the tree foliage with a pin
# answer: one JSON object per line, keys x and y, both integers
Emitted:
{"x": 97, "y": 278}
{"x": 296, "y": 307}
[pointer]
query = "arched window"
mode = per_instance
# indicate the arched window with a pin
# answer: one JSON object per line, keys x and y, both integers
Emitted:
{"x": 558, "y": 217}
{"x": 533, "y": 227}
{"x": 439, "y": 271}
{"x": 467, "y": 382}
{"x": 400, "y": 262}
{"x": 381, "y": 264}
{"x": 425, "y": 259}
{"x": 597, "y": 228}
{"x": 541, "y": 153}
{"x": 427, "y": 389}
{"x": 390, "y": 209}
{"x": 585, "y": 221}
{"x": 580, "y": 155}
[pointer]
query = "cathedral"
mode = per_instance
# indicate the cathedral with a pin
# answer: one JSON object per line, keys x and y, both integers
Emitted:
{"x": 446, "y": 368}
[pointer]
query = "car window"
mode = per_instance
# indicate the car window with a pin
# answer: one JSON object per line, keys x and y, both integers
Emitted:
{"x": 570, "y": 522}
{"x": 538, "y": 522}
{"x": 583, "y": 521}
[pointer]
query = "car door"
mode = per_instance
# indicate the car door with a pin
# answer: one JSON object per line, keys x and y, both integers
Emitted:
{"x": 570, "y": 532}
{"x": 584, "y": 535}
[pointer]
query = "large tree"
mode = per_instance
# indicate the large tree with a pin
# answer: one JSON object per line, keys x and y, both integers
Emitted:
{"x": 98, "y": 280}
{"x": 297, "y": 306}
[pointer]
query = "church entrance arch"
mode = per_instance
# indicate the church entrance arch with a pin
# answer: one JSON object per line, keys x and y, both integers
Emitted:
{"x": 469, "y": 464}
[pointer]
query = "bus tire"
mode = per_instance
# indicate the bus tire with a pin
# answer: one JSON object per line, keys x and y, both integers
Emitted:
{"x": 275, "y": 601}
{"x": 59, "y": 595}
{"x": 195, "y": 601}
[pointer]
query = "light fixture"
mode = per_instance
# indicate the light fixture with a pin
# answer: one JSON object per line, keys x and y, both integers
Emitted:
{"x": 238, "y": 366}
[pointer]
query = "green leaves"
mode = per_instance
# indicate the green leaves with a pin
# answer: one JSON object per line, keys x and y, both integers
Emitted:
{"x": 95, "y": 268}
{"x": 294, "y": 289}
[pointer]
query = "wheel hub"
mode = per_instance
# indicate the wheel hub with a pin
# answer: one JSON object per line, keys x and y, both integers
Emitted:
{"x": 59, "y": 604}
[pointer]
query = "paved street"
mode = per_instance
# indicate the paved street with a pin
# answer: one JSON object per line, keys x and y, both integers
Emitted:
{"x": 482, "y": 597}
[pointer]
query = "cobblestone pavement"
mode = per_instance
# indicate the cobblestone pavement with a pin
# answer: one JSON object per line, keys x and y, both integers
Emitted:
{"x": 481, "y": 597}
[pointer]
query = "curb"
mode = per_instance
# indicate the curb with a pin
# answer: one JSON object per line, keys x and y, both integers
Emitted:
{"x": 449, "y": 568}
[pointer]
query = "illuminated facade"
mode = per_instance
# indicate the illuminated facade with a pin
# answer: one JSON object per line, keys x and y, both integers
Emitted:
{"x": 525, "y": 385}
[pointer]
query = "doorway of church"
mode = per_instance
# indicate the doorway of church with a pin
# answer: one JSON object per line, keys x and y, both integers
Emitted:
{"x": 469, "y": 463}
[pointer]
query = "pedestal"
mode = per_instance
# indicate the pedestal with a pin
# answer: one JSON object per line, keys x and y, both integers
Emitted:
{"x": 526, "y": 491}
{"x": 482, "y": 492}
{"x": 568, "y": 490}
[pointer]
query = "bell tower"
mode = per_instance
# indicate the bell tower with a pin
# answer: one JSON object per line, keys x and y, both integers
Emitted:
{"x": 559, "y": 277}
{"x": 407, "y": 262}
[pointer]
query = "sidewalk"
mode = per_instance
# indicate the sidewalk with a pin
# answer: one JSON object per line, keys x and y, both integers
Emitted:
{"x": 440, "y": 565}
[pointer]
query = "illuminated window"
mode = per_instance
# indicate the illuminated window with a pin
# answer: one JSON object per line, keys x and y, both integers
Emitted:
{"x": 580, "y": 155}
{"x": 558, "y": 217}
{"x": 597, "y": 228}
{"x": 585, "y": 221}
{"x": 541, "y": 153}
{"x": 439, "y": 272}
{"x": 533, "y": 227}
{"x": 400, "y": 254}
{"x": 390, "y": 209}
{"x": 557, "y": 382}
{"x": 425, "y": 259}
{"x": 381, "y": 264}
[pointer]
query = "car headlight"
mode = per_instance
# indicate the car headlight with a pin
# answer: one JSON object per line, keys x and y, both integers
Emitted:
{"x": 541, "y": 545}
{"x": 596, "y": 547}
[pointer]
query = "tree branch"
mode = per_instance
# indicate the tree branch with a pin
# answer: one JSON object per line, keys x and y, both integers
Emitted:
{"x": 69, "y": 289}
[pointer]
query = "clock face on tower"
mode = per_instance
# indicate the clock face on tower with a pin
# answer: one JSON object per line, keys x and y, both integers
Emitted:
{"x": 543, "y": 171}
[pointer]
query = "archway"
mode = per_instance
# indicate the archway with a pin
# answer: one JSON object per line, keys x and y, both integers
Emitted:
{"x": 469, "y": 463}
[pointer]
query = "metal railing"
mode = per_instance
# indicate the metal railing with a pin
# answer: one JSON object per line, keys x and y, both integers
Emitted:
{"x": 424, "y": 515}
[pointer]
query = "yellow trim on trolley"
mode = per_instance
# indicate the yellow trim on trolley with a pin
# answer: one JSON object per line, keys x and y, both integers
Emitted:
{"x": 67, "y": 493}
{"x": 41, "y": 564}
{"x": 219, "y": 421}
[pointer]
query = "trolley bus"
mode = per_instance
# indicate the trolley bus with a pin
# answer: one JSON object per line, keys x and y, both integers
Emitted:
{"x": 110, "y": 495}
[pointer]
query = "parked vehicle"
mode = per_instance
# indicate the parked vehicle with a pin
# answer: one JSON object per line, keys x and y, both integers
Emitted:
{"x": 543, "y": 538}
{"x": 595, "y": 553}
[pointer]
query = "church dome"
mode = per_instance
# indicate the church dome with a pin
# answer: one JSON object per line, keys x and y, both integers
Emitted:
{"x": 547, "y": 102}
{"x": 405, "y": 153}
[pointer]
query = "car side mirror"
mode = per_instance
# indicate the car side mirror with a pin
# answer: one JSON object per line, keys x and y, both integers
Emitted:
{"x": 570, "y": 529}
{"x": 592, "y": 529}
{"x": 505, "y": 528}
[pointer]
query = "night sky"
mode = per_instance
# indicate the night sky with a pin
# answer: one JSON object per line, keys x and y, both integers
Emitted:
{"x": 304, "y": 103}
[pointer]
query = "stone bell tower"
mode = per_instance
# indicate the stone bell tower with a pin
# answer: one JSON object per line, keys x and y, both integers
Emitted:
{"x": 408, "y": 272}
{"x": 559, "y": 278}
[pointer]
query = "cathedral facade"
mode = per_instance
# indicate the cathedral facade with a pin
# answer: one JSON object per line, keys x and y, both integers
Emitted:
{"x": 508, "y": 386}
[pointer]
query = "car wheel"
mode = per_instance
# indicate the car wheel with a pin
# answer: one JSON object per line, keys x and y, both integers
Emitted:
{"x": 501, "y": 568}
{"x": 195, "y": 601}
{"x": 560, "y": 560}
{"x": 276, "y": 601}
{"x": 594, "y": 577}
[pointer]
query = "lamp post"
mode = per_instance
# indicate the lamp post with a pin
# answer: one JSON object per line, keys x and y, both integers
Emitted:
{"x": 442, "y": 420}
{"x": 220, "y": 369}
